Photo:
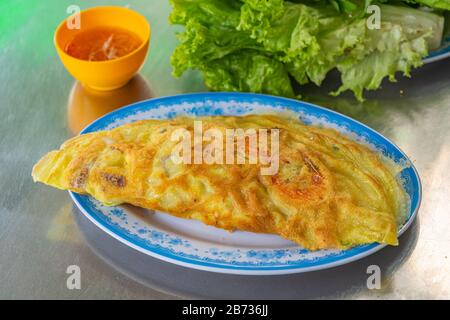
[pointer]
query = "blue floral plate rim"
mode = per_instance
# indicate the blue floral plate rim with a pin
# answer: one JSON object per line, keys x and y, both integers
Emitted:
{"x": 251, "y": 261}
{"x": 439, "y": 54}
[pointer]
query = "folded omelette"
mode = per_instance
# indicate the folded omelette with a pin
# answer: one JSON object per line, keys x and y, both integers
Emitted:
{"x": 328, "y": 192}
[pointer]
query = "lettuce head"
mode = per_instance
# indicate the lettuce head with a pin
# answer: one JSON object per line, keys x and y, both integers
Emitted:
{"x": 265, "y": 45}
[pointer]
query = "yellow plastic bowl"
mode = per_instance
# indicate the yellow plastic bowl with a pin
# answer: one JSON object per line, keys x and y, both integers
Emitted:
{"x": 109, "y": 74}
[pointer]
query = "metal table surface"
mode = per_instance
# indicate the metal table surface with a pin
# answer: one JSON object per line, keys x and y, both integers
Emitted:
{"x": 41, "y": 233}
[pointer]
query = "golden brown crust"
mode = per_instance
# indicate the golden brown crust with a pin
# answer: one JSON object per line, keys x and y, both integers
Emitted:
{"x": 329, "y": 191}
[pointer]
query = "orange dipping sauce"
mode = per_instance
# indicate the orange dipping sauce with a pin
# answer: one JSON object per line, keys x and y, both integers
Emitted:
{"x": 103, "y": 43}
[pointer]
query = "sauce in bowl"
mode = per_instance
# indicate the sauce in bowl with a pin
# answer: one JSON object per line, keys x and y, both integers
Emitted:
{"x": 103, "y": 43}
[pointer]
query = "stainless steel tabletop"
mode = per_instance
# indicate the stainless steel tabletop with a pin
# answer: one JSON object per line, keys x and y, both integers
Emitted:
{"x": 41, "y": 233}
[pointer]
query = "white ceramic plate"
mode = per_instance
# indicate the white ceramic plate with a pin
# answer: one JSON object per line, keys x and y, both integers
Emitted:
{"x": 192, "y": 244}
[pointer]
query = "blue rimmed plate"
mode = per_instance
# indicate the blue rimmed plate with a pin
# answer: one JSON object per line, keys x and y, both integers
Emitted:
{"x": 192, "y": 244}
{"x": 442, "y": 53}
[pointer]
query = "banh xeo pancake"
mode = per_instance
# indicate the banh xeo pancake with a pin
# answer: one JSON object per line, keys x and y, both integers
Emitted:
{"x": 328, "y": 192}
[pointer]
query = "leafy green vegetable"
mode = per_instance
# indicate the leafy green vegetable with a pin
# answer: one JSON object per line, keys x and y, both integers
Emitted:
{"x": 258, "y": 45}
{"x": 416, "y": 23}
{"x": 247, "y": 70}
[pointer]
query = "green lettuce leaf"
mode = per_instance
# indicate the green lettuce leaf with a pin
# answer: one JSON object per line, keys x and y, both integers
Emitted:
{"x": 416, "y": 23}
{"x": 210, "y": 33}
{"x": 257, "y": 45}
{"x": 230, "y": 60}
{"x": 397, "y": 46}
{"x": 248, "y": 71}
